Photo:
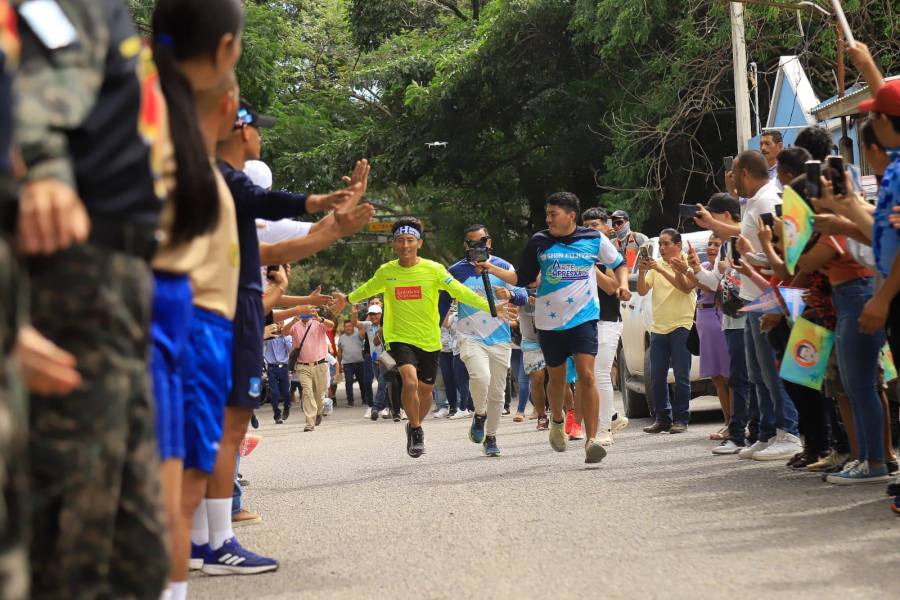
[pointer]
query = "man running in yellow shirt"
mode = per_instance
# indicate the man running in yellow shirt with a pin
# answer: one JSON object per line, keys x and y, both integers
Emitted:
{"x": 411, "y": 286}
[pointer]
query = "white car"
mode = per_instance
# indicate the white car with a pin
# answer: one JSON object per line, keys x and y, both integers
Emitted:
{"x": 634, "y": 359}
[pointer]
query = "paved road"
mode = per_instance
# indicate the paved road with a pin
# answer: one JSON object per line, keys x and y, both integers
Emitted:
{"x": 351, "y": 516}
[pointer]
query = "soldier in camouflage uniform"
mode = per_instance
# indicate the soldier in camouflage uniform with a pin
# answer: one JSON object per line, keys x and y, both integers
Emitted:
{"x": 84, "y": 133}
{"x": 13, "y": 428}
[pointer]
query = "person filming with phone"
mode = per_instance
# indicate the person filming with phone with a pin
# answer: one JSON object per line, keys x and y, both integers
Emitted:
{"x": 674, "y": 303}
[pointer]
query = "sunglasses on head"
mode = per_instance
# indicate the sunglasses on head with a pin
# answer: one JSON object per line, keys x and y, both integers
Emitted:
{"x": 476, "y": 243}
{"x": 244, "y": 118}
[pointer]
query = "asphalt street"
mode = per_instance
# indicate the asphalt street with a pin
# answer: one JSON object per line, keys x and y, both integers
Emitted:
{"x": 350, "y": 515}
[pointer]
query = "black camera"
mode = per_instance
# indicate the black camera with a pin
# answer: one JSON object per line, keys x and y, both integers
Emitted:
{"x": 478, "y": 255}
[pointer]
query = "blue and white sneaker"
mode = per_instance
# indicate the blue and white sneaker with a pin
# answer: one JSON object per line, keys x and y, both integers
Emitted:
{"x": 232, "y": 559}
{"x": 199, "y": 555}
{"x": 476, "y": 430}
{"x": 860, "y": 473}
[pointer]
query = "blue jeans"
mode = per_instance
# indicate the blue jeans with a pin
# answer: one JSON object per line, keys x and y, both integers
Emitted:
{"x": 743, "y": 394}
{"x": 518, "y": 371}
{"x": 449, "y": 375}
{"x": 365, "y": 384}
{"x": 381, "y": 394}
{"x": 464, "y": 396}
{"x": 665, "y": 350}
{"x": 354, "y": 371}
{"x": 858, "y": 361}
{"x": 776, "y": 409}
{"x": 279, "y": 387}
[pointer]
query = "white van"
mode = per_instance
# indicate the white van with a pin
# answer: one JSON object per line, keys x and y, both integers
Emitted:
{"x": 633, "y": 358}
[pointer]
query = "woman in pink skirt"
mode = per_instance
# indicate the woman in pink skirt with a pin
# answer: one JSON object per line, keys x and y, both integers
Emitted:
{"x": 714, "y": 358}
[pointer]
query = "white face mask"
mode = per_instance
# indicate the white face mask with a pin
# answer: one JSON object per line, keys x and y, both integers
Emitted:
{"x": 623, "y": 232}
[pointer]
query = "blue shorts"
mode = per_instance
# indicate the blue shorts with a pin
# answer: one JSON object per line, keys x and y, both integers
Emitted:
{"x": 247, "y": 357}
{"x": 172, "y": 311}
{"x": 207, "y": 383}
{"x": 557, "y": 346}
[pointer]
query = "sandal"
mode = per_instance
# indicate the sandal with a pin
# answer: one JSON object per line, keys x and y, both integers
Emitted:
{"x": 721, "y": 434}
{"x": 518, "y": 418}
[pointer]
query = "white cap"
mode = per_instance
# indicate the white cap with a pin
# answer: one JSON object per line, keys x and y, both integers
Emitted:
{"x": 259, "y": 173}
{"x": 374, "y": 310}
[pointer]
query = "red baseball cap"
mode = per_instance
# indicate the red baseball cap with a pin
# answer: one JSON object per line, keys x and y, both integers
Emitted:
{"x": 886, "y": 101}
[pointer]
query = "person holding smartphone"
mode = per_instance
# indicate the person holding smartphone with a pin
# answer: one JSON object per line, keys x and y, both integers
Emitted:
{"x": 779, "y": 430}
{"x": 722, "y": 277}
{"x": 674, "y": 304}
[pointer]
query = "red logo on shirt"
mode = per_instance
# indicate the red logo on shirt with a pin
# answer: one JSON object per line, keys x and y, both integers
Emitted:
{"x": 408, "y": 293}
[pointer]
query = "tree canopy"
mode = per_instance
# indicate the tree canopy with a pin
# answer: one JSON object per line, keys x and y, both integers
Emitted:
{"x": 476, "y": 110}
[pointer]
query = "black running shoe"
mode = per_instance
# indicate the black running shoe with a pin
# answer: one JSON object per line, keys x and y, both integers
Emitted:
{"x": 286, "y": 413}
{"x": 415, "y": 441}
{"x": 374, "y": 415}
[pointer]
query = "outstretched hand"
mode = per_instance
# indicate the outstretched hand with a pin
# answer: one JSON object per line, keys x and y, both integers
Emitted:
{"x": 317, "y": 298}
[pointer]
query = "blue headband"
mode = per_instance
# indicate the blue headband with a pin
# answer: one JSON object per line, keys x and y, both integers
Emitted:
{"x": 407, "y": 230}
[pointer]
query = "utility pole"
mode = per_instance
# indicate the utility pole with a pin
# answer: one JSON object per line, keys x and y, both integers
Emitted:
{"x": 739, "y": 59}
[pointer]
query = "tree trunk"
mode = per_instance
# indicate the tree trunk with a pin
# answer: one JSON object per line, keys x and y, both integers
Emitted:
{"x": 476, "y": 9}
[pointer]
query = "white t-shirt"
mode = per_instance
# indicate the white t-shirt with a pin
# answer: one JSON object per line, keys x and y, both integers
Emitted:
{"x": 273, "y": 232}
{"x": 763, "y": 202}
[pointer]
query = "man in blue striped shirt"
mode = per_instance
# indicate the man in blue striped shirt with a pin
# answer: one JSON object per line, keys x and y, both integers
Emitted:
{"x": 276, "y": 352}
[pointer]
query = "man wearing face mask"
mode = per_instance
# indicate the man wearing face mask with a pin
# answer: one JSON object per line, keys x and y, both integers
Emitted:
{"x": 627, "y": 241}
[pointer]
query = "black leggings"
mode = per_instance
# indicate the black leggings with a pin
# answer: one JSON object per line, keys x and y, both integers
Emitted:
{"x": 815, "y": 419}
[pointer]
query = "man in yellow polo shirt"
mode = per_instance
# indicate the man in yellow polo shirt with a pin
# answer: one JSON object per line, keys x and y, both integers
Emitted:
{"x": 412, "y": 333}
{"x": 674, "y": 303}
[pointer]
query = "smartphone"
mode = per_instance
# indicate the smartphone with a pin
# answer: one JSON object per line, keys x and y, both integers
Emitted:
{"x": 687, "y": 211}
{"x": 644, "y": 253}
{"x": 768, "y": 219}
{"x": 813, "y": 179}
{"x": 779, "y": 210}
{"x": 838, "y": 184}
{"x": 728, "y": 163}
{"x": 735, "y": 255}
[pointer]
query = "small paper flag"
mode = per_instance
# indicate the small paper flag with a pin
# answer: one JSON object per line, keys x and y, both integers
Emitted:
{"x": 806, "y": 358}
{"x": 798, "y": 227}
{"x": 887, "y": 364}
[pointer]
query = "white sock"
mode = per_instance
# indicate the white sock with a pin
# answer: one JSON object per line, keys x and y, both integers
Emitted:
{"x": 219, "y": 513}
{"x": 179, "y": 590}
{"x": 200, "y": 526}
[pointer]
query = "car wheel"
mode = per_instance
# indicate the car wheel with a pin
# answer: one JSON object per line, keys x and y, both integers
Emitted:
{"x": 635, "y": 404}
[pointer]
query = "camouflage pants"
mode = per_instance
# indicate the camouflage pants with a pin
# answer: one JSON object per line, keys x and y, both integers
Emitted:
{"x": 98, "y": 525}
{"x": 13, "y": 436}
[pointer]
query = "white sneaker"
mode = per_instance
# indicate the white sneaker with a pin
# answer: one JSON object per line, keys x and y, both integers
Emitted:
{"x": 385, "y": 413}
{"x": 619, "y": 423}
{"x": 461, "y": 414}
{"x": 785, "y": 446}
{"x": 605, "y": 438}
{"x": 403, "y": 415}
{"x": 759, "y": 445}
{"x": 368, "y": 413}
{"x": 441, "y": 413}
{"x": 727, "y": 447}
